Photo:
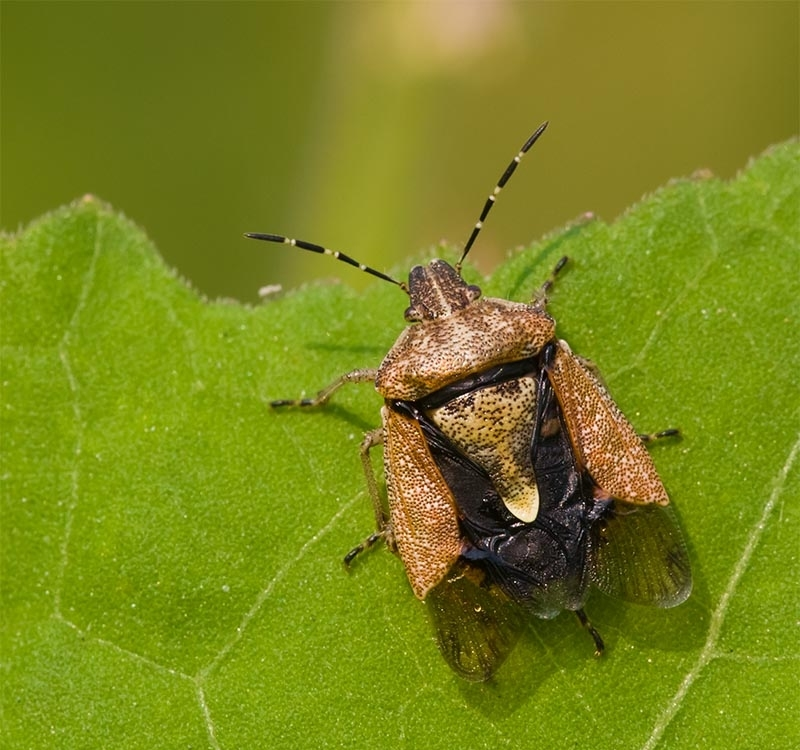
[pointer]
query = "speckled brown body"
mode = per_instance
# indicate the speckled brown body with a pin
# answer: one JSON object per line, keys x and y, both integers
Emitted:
{"x": 454, "y": 336}
{"x": 514, "y": 481}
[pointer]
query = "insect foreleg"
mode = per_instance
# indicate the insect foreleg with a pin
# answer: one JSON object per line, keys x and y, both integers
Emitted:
{"x": 540, "y": 295}
{"x": 354, "y": 376}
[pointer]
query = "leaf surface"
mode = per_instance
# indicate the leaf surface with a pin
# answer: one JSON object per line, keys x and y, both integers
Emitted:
{"x": 171, "y": 547}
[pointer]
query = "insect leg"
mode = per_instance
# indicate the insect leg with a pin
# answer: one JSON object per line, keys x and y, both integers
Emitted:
{"x": 382, "y": 528}
{"x": 652, "y": 436}
{"x": 354, "y": 376}
{"x": 599, "y": 646}
{"x": 540, "y": 295}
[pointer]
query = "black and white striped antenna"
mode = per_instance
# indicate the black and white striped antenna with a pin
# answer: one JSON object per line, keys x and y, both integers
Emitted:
{"x": 490, "y": 201}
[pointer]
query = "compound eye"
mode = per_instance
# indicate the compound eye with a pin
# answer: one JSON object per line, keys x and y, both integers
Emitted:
{"x": 473, "y": 292}
{"x": 412, "y": 315}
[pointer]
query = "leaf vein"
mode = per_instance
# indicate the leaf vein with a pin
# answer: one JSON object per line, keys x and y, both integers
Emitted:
{"x": 690, "y": 285}
{"x": 265, "y": 593}
{"x": 709, "y": 652}
{"x": 74, "y": 388}
{"x": 206, "y": 711}
{"x": 126, "y": 652}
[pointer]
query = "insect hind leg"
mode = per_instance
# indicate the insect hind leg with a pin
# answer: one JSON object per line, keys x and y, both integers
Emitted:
{"x": 376, "y": 536}
{"x": 599, "y": 646}
{"x": 383, "y": 528}
{"x": 651, "y": 437}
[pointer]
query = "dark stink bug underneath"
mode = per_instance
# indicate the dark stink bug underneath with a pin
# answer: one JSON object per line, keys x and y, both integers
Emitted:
{"x": 514, "y": 482}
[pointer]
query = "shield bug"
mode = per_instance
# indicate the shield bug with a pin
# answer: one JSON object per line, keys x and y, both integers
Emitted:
{"x": 514, "y": 482}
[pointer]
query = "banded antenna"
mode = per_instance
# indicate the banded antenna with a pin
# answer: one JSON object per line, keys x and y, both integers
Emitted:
{"x": 490, "y": 201}
{"x": 303, "y": 245}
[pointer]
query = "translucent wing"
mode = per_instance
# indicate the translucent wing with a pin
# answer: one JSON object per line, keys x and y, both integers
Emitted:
{"x": 638, "y": 554}
{"x": 477, "y": 625}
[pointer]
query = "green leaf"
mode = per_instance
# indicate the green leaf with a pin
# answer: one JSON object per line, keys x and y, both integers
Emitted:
{"x": 171, "y": 547}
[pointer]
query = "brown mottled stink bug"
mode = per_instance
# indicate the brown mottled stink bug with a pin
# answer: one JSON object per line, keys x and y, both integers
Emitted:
{"x": 514, "y": 481}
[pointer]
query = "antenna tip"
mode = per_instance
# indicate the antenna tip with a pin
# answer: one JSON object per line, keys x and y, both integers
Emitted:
{"x": 266, "y": 237}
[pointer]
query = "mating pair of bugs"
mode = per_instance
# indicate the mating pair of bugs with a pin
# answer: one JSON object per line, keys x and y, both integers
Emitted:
{"x": 514, "y": 482}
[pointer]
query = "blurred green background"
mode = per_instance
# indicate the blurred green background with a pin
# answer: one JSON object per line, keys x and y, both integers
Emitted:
{"x": 376, "y": 128}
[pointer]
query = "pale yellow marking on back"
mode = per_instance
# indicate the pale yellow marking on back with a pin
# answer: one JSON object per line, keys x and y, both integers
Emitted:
{"x": 494, "y": 427}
